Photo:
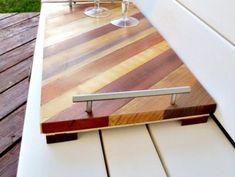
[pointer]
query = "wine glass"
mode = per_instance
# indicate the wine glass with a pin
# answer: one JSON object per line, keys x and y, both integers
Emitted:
{"x": 125, "y": 20}
{"x": 97, "y": 11}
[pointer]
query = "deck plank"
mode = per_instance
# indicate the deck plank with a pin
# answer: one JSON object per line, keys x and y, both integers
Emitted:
{"x": 17, "y": 35}
{"x": 7, "y": 15}
{"x": 11, "y": 129}
{"x": 16, "y": 56}
{"x": 130, "y": 153}
{"x": 18, "y": 28}
{"x": 196, "y": 150}
{"x": 9, "y": 162}
{"x": 18, "y": 40}
{"x": 15, "y": 74}
{"x": 13, "y": 98}
{"x": 16, "y": 19}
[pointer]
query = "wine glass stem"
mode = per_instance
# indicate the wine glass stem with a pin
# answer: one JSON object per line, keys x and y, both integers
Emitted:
{"x": 97, "y": 4}
{"x": 125, "y": 6}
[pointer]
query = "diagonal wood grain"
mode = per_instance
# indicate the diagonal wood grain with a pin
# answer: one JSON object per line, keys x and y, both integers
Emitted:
{"x": 87, "y": 56}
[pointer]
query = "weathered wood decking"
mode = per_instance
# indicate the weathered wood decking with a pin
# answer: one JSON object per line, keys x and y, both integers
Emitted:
{"x": 17, "y": 40}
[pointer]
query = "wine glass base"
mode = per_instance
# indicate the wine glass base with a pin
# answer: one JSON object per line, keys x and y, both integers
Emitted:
{"x": 97, "y": 12}
{"x": 127, "y": 22}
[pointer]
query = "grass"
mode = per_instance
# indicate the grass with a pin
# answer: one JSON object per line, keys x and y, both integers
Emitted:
{"x": 19, "y": 6}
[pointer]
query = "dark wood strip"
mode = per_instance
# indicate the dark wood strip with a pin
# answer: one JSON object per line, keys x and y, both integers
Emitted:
{"x": 65, "y": 83}
{"x": 15, "y": 74}
{"x": 75, "y": 41}
{"x": 18, "y": 40}
{"x": 16, "y": 56}
{"x": 11, "y": 129}
{"x": 196, "y": 103}
{"x": 140, "y": 78}
{"x": 193, "y": 121}
{"x": 18, "y": 28}
{"x": 16, "y": 19}
{"x": 70, "y": 62}
{"x": 13, "y": 98}
{"x": 9, "y": 162}
{"x": 7, "y": 15}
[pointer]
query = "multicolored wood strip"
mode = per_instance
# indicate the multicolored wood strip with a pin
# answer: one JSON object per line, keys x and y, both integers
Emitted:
{"x": 87, "y": 55}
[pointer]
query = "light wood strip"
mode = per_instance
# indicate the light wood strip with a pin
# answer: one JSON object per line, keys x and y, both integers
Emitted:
{"x": 70, "y": 15}
{"x": 135, "y": 80}
{"x": 130, "y": 153}
{"x": 158, "y": 108}
{"x": 69, "y": 81}
{"x": 64, "y": 60}
{"x": 96, "y": 42}
{"x": 59, "y": 34}
{"x": 101, "y": 80}
{"x": 73, "y": 70}
{"x": 150, "y": 108}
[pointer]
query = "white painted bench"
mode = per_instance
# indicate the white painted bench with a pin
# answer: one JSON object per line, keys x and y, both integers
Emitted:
{"x": 164, "y": 149}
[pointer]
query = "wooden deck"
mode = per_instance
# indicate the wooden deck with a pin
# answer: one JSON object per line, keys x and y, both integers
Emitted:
{"x": 17, "y": 36}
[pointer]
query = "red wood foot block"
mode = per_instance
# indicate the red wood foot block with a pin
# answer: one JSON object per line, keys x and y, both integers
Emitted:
{"x": 198, "y": 120}
{"x": 61, "y": 138}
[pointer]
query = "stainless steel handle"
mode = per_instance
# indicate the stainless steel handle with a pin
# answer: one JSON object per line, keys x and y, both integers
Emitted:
{"x": 130, "y": 94}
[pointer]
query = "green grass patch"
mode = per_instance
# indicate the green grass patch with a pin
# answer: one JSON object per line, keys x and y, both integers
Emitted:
{"x": 19, "y": 6}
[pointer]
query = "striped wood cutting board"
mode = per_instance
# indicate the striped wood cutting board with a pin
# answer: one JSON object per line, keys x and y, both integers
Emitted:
{"x": 87, "y": 55}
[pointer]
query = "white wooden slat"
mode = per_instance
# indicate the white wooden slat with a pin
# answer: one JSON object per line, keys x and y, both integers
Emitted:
{"x": 219, "y": 14}
{"x": 208, "y": 55}
{"x": 130, "y": 153}
{"x": 80, "y": 158}
{"x": 197, "y": 150}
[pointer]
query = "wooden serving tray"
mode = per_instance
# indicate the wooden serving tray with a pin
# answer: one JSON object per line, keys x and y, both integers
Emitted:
{"x": 87, "y": 55}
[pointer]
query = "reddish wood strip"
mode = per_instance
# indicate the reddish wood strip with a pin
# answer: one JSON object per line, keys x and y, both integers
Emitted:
{"x": 22, "y": 38}
{"x": 196, "y": 103}
{"x": 16, "y": 19}
{"x": 70, "y": 62}
{"x": 141, "y": 78}
{"x": 16, "y": 56}
{"x": 15, "y": 74}
{"x": 61, "y": 85}
{"x": 11, "y": 128}
{"x": 54, "y": 49}
{"x": 9, "y": 162}
{"x": 13, "y": 98}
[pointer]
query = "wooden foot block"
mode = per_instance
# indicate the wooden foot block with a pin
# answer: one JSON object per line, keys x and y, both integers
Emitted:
{"x": 61, "y": 138}
{"x": 197, "y": 120}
